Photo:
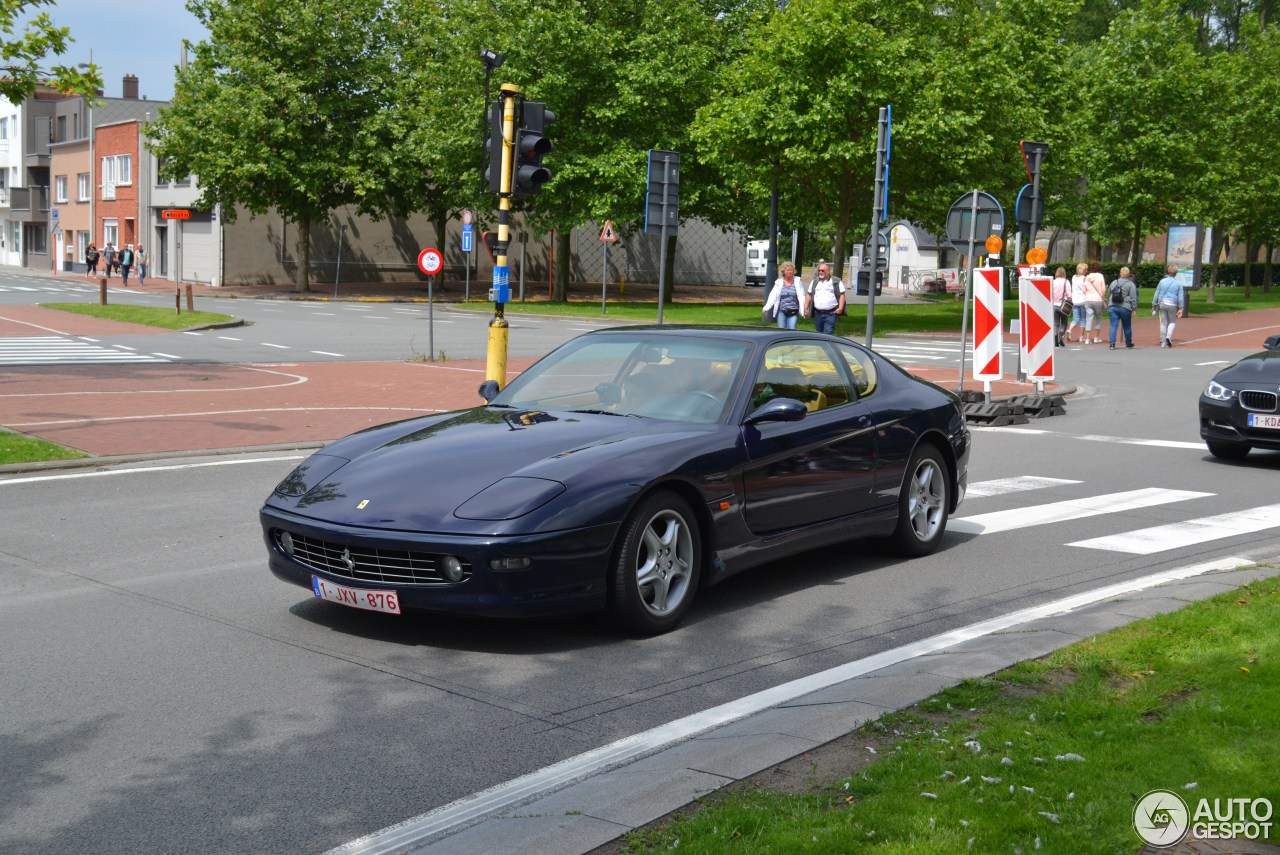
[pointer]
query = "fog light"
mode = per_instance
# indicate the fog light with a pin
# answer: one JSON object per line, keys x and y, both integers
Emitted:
{"x": 286, "y": 542}
{"x": 511, "y": 563}
{"x": 451, "y": 567}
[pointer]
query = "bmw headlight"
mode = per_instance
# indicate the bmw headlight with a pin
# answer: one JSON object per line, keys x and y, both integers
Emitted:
{"x": 1218, "y": 392}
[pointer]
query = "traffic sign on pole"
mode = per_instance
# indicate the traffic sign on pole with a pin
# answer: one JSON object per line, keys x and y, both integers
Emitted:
{"x": 467, "y": 237}
{"x": 607, "y": 234}
{"x": 430, "y": 261}
{"x": 467, "y": 218}
{"x": 1035, "y": 345}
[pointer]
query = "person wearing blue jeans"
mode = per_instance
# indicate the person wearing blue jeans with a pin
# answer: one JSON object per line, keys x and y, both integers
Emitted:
{"x": 784, "y": 299}
{"x": 1123, "y": 303}
{"x": 825, "y": 299}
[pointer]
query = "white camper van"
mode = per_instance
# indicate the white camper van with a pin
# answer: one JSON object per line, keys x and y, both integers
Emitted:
{"x": 757, "y": 259}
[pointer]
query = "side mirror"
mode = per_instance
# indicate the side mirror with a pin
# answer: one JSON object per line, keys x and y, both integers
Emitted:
{"x": 489, "y": 390}
{"x": 779, "y": 410}
{"x": 1272, "y": 342}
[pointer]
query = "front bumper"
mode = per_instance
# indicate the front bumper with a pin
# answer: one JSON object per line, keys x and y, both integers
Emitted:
{"x": 1227, "y": 422}
{"x": 567, "y": 572}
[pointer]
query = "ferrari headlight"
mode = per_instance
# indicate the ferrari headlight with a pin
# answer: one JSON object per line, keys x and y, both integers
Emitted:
{"x": 509, "y": 499}
{"x": 309, "y": 473}
{"x": 1218, "y": 392}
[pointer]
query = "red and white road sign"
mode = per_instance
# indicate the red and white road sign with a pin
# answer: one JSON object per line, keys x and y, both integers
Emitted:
{"x": 988, "y": 316}
{"x": 467, "y": 218}
{"x": 607, "y": 234}
{"x": 430, "y": 261}
{"x": 1035, "y": 309}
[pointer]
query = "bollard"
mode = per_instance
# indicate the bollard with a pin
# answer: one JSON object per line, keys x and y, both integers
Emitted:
{"x": 190, "y": 305}
{"x": 102, "y": 291}
{"x": 177, "y": 299}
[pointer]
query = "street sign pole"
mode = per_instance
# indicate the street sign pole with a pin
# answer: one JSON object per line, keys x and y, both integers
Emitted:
{"x": 337, "y": 272}
{"x": 662, "y": 260}
{"x": 876, "y": 215}
{"x": 968, "y": 285}
{"x": 604, "y": 280}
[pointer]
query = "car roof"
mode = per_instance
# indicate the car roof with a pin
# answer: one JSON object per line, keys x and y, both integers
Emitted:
{"x": 717, "y": 331}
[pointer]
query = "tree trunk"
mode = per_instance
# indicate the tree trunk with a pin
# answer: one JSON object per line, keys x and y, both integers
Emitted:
{"x": 1250, "y": 253}
{"x": 1267, "y": 268}
{"x": 304, "y": 254}
{"x": 1217, "y": 244}
{"x": 560, "y": 280}
{"x": 1135, "y": 256}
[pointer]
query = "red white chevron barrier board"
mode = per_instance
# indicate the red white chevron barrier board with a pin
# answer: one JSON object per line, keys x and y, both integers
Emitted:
{"x": 1035, "y": 311}
{"x": 988, "y": 315}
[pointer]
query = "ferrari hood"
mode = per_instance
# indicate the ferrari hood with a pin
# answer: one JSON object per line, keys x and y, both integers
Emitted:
{"x": 423, "y": 478}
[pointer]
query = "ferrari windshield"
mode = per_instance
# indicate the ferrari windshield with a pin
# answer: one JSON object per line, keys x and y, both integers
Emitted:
{"x": 656, "y": 376}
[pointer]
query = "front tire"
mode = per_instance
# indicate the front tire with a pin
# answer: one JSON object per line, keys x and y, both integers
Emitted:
{"x": 1227, "y": 450}
{"x": 658, "y": 563}
{"x": 922, "y": 504}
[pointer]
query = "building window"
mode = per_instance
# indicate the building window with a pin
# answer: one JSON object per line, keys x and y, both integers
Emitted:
{"x": 82, "y": 187}
{"x": 60, "y": 188}
{"x": 108, "y": 177}
{"x": 124, "y": 169}
{"x": 82, "y": 244}
{"x": 160, "y": 181}
{"x": 61, "y": 129}
{"x": 37, "y": 241}
{"x": 4, "y": 129}
{"x": 110, "y": 232}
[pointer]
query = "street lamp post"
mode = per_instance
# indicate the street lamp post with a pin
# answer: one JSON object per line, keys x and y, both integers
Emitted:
{"x": 491, "y": 59}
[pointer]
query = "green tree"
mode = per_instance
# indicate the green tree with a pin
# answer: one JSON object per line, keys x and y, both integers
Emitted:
{"x": 621, "y": 78}
{"x": 23, "y": 54}
{"x": 280, "y": 109}
{"x": 1139, "y": 127}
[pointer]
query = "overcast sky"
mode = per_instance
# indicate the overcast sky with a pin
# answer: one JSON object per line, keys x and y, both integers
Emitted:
{"x": 142, "y": 37}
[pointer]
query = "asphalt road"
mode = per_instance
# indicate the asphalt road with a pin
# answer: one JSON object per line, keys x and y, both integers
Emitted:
{"x": 161, "y": 692}
{"x": 164, "y": 693}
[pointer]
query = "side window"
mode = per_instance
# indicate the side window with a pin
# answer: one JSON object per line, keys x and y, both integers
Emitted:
{"x": 862, "y": 367}
{"x": 803, "y": 371}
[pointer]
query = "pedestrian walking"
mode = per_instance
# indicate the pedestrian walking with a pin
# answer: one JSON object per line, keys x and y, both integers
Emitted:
{"x": 109, "y": 258}
{"x": 784, "y": 300}
{"x": 1060, "y": 294}
{"x": 91, "y": 261}
{"x": 141, "y": 259}
{"x": 1169, "y": 302}
{"x": 1078, "y": 310}
{"x": 1124, "y": 302}
{"x": 125, "y": 263}
{"x": 825, "y": 300}
{"x": 1095, "y": 295}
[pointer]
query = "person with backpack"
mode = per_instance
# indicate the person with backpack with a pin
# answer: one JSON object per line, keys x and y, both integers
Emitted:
{"x": 1124, "y": 302}
{"x": 91, "y": 261}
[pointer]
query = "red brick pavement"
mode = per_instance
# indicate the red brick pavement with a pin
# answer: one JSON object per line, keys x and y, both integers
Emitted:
{"x": 121, "y": 410}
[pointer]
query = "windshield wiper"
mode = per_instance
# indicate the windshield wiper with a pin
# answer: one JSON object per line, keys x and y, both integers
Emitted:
{"x": 600, "y": 412}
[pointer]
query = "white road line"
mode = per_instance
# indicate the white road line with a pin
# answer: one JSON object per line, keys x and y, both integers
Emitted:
{"x": 143, "y": 470}
{"x": 1072, "y": 509}
{"x": 1160, "y": 538}
{"x": 280, "y": 346}
{"x": 464, "y": 812}
{"x": 229, "y": 338}
{"x": 185, "y": 332}
{"x": 1003, "y": 486}
{"x": 166, "y": 355}
{"x": 325, "y": 353}
{"x": 1215, "y": 362}
{"x": 1088, "y": 437}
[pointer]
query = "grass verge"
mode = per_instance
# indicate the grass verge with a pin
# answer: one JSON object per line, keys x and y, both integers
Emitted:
{"x": 146, "y": 315}
{"x": 1048, "y": 755}
{"x": 20, "y": 448}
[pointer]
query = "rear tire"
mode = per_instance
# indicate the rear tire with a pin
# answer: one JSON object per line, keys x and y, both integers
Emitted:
{"x": 1227, "y": 450}
{"x": 658, "y": 564}
{"x": 922, "y": 504}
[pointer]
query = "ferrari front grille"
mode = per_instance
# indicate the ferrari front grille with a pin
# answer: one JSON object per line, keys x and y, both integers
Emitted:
{"x": 366, "y": 564}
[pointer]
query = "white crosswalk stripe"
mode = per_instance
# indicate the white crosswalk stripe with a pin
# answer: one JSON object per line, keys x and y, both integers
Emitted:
{"x": 61, "y": 350}
{"x": 1140, "y": 541}
{"x": 1175, "y": 535}
{"x": 1071, "y": 509}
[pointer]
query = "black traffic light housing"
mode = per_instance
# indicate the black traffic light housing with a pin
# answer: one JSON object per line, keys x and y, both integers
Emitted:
{"x": 532, "y": 144}
{"x": 493, "y": 145}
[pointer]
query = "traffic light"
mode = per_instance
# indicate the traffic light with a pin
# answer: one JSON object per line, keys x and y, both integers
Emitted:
{"x": 493, "y": 145}
{"x": 531, "y": 145}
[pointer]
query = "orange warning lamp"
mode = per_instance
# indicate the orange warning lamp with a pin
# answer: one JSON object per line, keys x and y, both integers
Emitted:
{"x": 1037, "y": 255}
{"x": 994, "y": 245}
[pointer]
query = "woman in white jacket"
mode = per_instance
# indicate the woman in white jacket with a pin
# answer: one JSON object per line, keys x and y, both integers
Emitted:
{"x": 784, "y": 300}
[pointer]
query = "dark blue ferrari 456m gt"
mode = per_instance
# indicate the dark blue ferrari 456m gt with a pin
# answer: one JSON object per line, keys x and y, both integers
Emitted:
{"x": 626, "y": 470}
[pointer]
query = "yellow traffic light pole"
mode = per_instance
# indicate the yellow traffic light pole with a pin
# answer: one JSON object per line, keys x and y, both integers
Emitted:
{"x": 496, "y": 363}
